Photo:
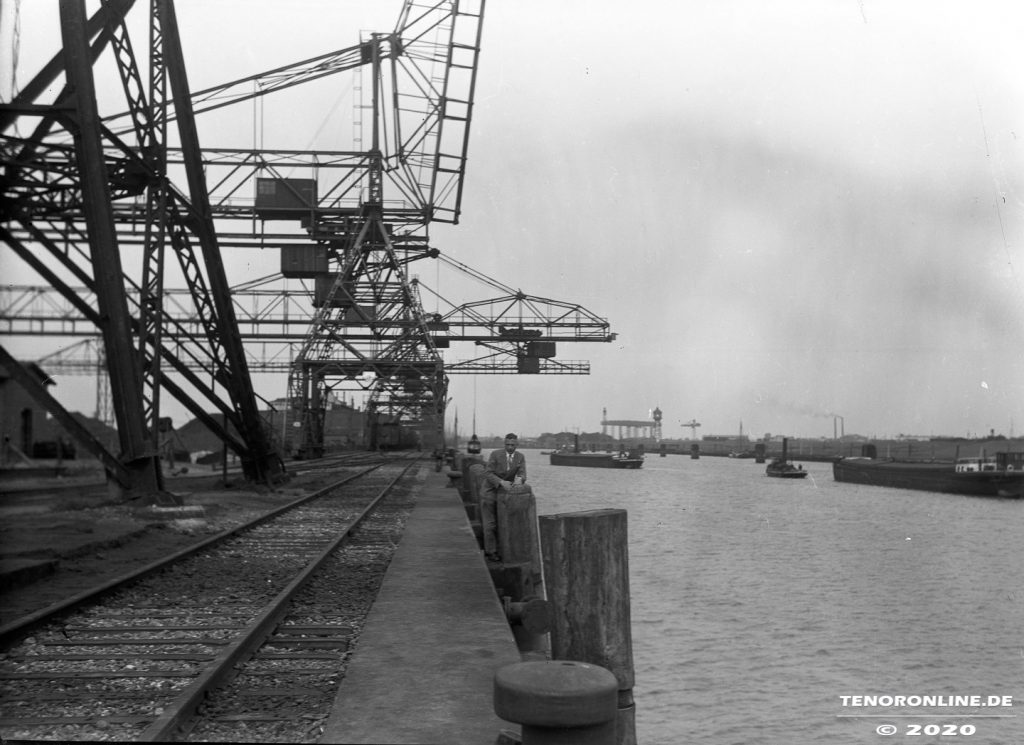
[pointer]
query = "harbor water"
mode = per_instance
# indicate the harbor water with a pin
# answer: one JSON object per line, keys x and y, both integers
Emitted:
{"x": 761, "y": 608}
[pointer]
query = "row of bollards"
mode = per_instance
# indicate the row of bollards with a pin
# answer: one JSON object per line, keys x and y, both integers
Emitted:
{"x": 564, "y": 583}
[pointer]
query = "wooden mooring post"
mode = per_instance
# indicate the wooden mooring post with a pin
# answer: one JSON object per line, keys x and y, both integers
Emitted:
{"x": 468, "y": 485}
{"x": 520, "y": 574}
{"x": 586, "y": 576}
{"x": 517, "y": 527}
{"x": 473, "y": 476}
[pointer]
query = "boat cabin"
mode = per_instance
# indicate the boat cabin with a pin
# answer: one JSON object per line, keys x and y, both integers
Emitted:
{"x": 1000, "y": 462}
{"x": 971, "y": 465}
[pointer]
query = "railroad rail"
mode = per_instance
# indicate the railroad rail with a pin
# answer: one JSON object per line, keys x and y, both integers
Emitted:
{"x": 246, "y": 632}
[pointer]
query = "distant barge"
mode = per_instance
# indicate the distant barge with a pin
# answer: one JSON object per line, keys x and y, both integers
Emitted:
{"x": 999, "y": 476}
{"x": 596, "y": 460}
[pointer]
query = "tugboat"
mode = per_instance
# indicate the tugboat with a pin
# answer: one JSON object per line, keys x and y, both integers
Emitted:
{"x": 781, "y": 468}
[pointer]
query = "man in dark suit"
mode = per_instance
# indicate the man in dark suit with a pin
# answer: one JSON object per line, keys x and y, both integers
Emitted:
{"x": 504, "y": 468}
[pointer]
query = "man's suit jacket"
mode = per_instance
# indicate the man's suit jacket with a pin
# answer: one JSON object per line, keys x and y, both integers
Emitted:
{"x": 498, "y": 470}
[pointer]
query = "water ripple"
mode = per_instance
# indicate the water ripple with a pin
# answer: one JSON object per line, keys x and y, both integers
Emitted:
{"x": 757, "y": 602}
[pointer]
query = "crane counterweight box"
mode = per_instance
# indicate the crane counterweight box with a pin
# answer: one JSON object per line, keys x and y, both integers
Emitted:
{"x": 304, "y": 261}
{"x": 285, "y": 198}
{"x": 540, "y": 348}
{"x": 526, "y": 365}
{"x": 322, "y": 288}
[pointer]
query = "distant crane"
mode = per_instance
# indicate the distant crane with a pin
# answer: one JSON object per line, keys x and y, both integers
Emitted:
{"x": 86, "y": 357}
{"x": 692, "y": 424}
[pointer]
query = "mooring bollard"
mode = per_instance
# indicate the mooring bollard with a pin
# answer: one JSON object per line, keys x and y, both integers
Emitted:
{"x": 533, "y": 614}
{"x": 530, "y": 621}
{"x": 586, "y": 576}
{"x": 558, "y": 702}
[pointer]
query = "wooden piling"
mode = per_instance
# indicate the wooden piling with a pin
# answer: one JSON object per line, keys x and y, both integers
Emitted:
{"x": 586, "y": 576}
{"x": 473, "y": 477}
{"x": 520, "y": 575}
{"x": 466, "y": 486}
{"x": 517, "y": 527}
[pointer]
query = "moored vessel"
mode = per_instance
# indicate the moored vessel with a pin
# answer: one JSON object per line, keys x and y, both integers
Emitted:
{"x": 597, "y": 460}
{"x": 1001, "y": 475}
{"x": 622, "y": 459}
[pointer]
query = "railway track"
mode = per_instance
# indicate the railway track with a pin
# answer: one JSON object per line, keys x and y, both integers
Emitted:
{"x": 242, "y": 637}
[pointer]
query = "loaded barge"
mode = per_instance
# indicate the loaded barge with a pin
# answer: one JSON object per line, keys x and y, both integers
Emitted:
{"x": 597, "y": 460}
{"x": 623, "y": 459}
{"x": 998, "y": 476}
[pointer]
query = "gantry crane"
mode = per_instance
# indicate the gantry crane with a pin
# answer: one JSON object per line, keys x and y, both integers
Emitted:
{"x": 513, "y": 332}
{"x": 68, "y": 182}
{"x": 85, "y": 357}
{"x": 347, "y": 232}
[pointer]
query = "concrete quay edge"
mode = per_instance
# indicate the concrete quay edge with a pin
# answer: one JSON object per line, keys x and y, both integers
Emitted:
{"x": 423, "y": 668}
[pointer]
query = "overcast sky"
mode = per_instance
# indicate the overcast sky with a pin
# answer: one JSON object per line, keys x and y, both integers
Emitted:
{"x": 787, "y": 210}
